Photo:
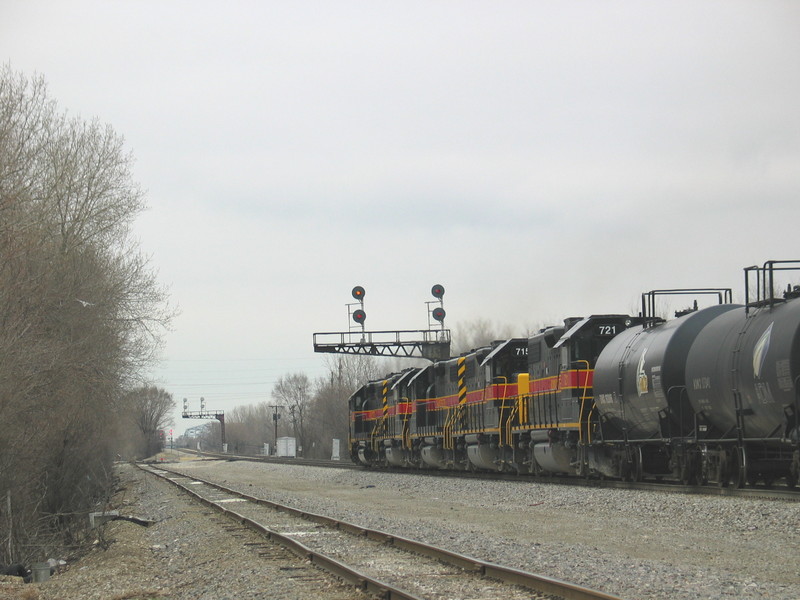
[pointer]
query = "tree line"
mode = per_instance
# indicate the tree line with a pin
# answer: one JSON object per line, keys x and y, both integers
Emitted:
{"x": 81, "y": 314}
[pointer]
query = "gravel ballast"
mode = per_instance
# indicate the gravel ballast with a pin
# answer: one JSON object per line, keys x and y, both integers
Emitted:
{"x": 633, "y": 544}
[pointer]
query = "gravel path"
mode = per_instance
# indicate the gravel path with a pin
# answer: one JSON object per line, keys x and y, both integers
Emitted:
{"x": 637, "y": 545}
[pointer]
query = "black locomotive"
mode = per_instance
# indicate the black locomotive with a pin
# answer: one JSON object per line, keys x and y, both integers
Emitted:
{"x": 709, "y": 396}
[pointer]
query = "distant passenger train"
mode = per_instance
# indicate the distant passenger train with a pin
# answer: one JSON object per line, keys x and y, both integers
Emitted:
{"x": 710, "y": 396}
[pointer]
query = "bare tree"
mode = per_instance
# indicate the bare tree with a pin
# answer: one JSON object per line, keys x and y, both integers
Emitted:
{"x": 151, "y": 409}
{"x": 294, "y": 392}
{"x": 80, "y": 310}
{"x": 476, "y": 333}
{"x": 346, "y": 373}
{"x": 248, "y": 428}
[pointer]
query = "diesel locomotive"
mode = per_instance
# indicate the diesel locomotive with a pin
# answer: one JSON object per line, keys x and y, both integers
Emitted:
{"x": 710, "y": 396}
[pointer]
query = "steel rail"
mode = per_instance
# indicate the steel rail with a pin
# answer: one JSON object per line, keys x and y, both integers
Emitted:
{"x": 508, "y": 575}
{"x": 361, "y": 580}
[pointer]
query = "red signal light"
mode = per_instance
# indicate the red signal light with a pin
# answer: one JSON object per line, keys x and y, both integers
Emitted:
{"x": 359, "y": 316}
{"x": 439, "y": 314}
{"x": 437, "y": 291}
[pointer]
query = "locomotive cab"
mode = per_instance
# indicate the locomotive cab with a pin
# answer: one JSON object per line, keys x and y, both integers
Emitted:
{"x": 557, "y": 412}
{"x": 375, "y": 418}
{"x": 397, "y": 443}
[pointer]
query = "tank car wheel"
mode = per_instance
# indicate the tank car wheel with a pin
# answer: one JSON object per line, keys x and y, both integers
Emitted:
{"x": 637, "y": 468}
{"x": 723, "y": 471}
{"x": 740, "y": 476}
{"x": 686, "y": 474}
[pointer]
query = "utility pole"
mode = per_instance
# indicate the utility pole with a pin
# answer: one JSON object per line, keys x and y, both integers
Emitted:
{"x": 275, "y": 417}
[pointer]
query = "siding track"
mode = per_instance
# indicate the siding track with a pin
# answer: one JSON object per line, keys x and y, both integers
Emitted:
{"x": 381, "y": 564}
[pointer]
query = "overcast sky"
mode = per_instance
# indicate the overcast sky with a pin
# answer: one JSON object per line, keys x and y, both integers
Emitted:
{"x": 538, "y": 159}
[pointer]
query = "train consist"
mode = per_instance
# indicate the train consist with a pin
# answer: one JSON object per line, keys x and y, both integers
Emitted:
{"x": 710, "y": 396}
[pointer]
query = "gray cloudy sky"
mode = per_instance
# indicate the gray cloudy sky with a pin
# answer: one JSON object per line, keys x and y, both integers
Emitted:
{"x": 539, "y": 159}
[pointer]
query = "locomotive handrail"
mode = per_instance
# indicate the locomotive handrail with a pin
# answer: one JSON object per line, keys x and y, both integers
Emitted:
{"x": 589, "y": 425}
{"x": 374, "y": 435}
{"x": 509, "y": 422}
{"x": 406, "y": 433}
{"x": 501, "y": 423}
{"x": 583, "y": 398}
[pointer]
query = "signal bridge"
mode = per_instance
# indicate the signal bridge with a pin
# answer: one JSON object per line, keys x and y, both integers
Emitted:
{"x": 432, "y": 344}
{"x": 219, "y": 415}
{"x": 420, "y": 343}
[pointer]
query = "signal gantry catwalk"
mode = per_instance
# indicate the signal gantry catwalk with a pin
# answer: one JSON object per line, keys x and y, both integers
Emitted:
{"x": 432, "y": 343}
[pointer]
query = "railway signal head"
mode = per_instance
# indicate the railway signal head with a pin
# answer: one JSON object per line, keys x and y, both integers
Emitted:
{"x": 359, "y": 316}
{"x": 439, "y": 314}
{"x": 358, "y": 293}
{"x": 437, "y": 291}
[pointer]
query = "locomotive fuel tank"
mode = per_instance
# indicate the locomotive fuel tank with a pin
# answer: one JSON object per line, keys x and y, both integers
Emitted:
{"x": 639, "y": 377}
{"x": 748, "y": 364}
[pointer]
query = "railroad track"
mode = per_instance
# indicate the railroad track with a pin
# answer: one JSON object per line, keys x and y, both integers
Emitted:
{"x": 778, "y": 493}
{"x": 381, "y": 564}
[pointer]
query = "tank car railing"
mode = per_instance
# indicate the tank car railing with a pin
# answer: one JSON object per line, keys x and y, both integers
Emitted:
{"x": 724, "y": 296}
{"x": 765, "y": 282}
